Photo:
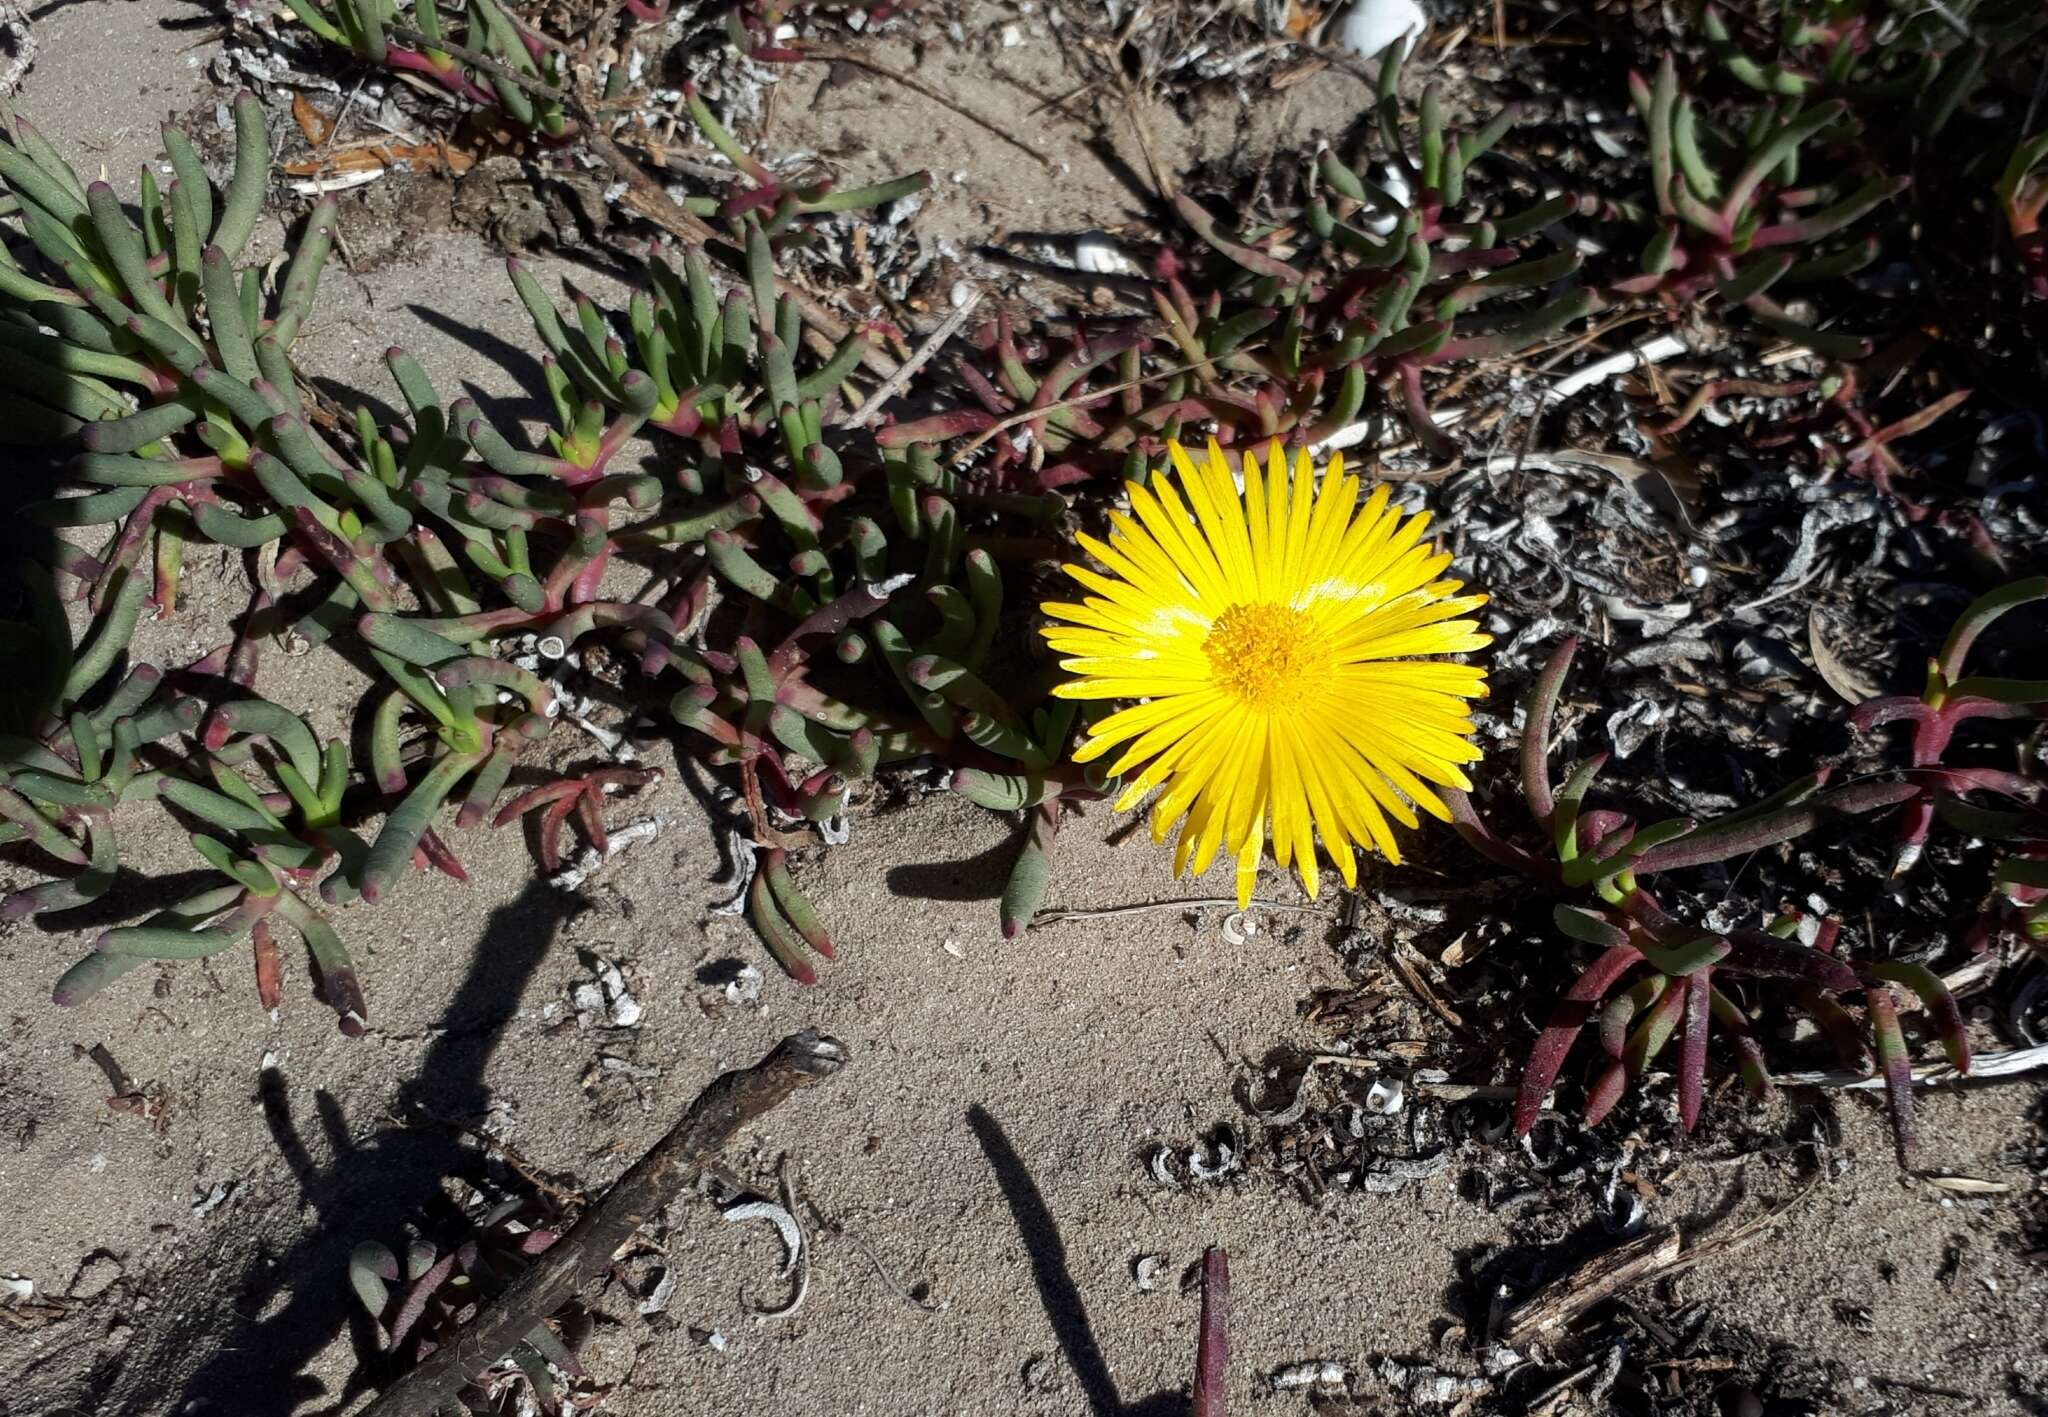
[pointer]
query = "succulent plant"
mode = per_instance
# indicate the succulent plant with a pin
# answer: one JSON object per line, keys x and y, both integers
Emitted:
{"x": 146, "y": 346}
{"x": 1923, "y": 63}
{"x": 2023, "y": 195}
{"x": 833, "y": 598}
{"x": 1937, "y": 87}
{"x": 502, "y": 64}
{"x": 420, "y": 1305}
{"x": 1294, "y": 327}
{"x": 518, "y": 66}
{"x": 857, "y": 602}
{"x": 1381, "y": 283}
{"x": 1733, "y": 217}
{"x": 1597, "y": 861}
{"x": 2021, "y": 880}
{"x": 767, "y": 192}
{"x": 832, "y": 605}
{"x": 1658, "y": 978}
{"x": 1949, "y": 700}
{"x": 1272, "y": 331}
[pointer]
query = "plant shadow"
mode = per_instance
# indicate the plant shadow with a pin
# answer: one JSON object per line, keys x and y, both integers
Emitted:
{"x": 1064, "y": 1308}
{"x": 30, "y": 593}
{"x": 368, "y": 1187}
{"x": 978, "y": 877}
{"x": 509, "y": 414}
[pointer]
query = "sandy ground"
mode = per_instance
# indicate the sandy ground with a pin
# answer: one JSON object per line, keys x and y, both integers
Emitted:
{"x": 984, "y": 1148}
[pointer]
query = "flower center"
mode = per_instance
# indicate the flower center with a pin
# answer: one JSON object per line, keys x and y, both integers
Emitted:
{"x": 1270, "y": 656}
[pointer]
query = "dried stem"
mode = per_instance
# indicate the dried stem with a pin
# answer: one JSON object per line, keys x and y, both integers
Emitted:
{"x": 585, "y": 1252}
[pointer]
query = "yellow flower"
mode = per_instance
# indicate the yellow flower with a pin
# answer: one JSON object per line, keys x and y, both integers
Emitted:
{"x": 1272, "y": 644}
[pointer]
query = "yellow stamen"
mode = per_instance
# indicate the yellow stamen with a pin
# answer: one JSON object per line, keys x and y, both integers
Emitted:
{"x": 1270, "y": 656}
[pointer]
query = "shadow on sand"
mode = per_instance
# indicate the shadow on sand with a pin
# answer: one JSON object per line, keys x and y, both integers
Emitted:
{"x": 369, "y": 1189}
{"x": 1056, "y": 1289}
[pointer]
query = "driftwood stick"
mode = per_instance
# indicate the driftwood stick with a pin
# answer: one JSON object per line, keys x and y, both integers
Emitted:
{"x": 1600, "y": 1278}
{"x": 585, "y": 1252}
{"x": 1654, "y": 1255}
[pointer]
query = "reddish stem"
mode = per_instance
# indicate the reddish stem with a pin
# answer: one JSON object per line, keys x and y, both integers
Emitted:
{"x": 1212, "y": 1349}
{"x": 451, "y": 77}
{"x": 1571, "y": 1014}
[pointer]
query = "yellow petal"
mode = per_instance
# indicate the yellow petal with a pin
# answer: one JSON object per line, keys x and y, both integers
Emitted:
{"x": 1279, "y": 649}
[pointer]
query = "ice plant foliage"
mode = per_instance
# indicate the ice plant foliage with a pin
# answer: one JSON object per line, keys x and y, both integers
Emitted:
{"x": 807, "y": 643}
{"x": 419, "y": 1304}
{"x": 1297, "y": 321}
{"x": 1915, "y": 66}
{"x": 1660, "y": 979}
{"x": 1284, "y": 648}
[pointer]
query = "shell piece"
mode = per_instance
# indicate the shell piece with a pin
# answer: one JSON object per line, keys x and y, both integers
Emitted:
{"x": 1395, "y": 183}
{"x": 1371, "y": 26}
{"x": 1097, "y": 254}
{"x": 1316, "y": 1373}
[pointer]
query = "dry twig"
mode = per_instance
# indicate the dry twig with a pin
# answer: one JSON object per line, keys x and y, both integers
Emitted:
{"x": 872, "y": 408}
{"x": 585, "y": 1252}
{"x": 1655, "y": 1255}
{"x": 1597, "y": 1280}
{"x": 1212, "y": 1345}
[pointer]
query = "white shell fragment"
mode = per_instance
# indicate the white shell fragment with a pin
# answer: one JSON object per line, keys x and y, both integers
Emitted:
{"x": 1654, "y": 351}
{"x": 883, "y": 589}
{"x": 1213, "y": 1160}
{"x": 794, "y": 1259}
{"x": 1394, "y": 183}
{"x": 605, "y": 1001}
{"x": 744, "y": 987}
{"x": 1210, "y": 1159}
{"x": 573, "y": 877}
{"x": 784, "y": 1223}
{"x": 657, "y": 1298}
{"x": 1631, "y": 727}
{"x": 1096, "y": 254}
{"x": 1370, "y": 26}
{"x": 1146, "y": 1272}
{"x": 1384, "y": 1099}
{"x": 1325, "y": 1373}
